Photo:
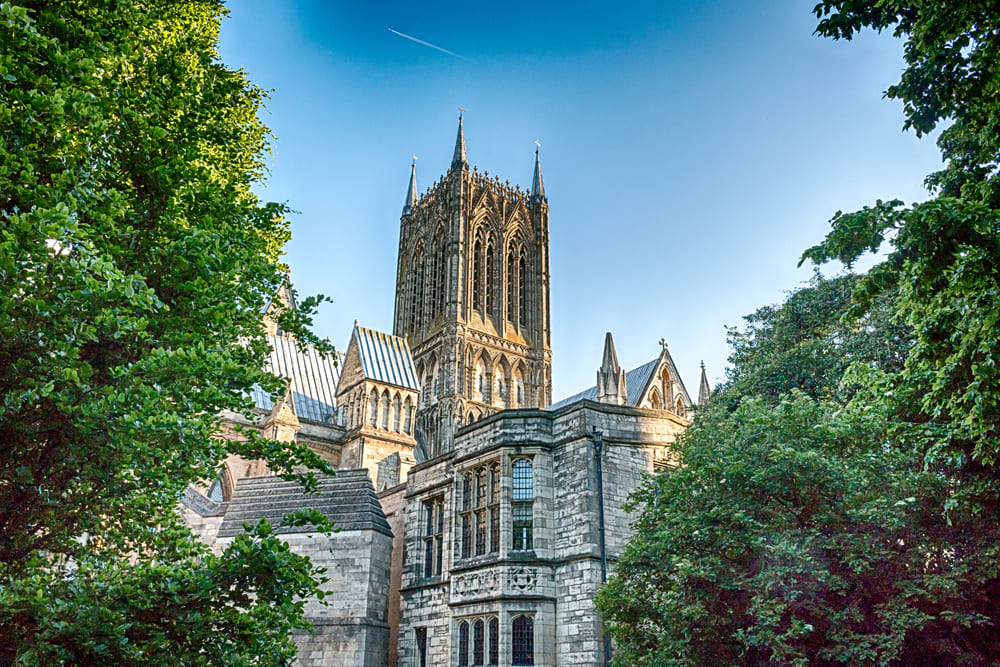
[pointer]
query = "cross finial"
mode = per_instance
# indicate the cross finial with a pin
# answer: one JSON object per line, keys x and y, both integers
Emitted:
{"x": 415, "y": 158}
{"x": 461, "y": 111}
{"x": 663, "y": 343}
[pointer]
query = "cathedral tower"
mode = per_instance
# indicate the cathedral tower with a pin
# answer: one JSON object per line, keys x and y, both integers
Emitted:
{"x": 472, "y": 297}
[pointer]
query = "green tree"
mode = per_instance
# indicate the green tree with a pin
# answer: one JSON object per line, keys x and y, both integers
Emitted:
{"x": 135, "y": 262}
{"x": 859, "y": 524}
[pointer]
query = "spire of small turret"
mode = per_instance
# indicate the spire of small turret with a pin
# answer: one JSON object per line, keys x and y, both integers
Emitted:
{"x": 411, "y": 192}
{"x": 704, "y": 391}
{"x": 610, "y": 376}
{"x": 537, "y": 188}
{"x": 460, "y": 162}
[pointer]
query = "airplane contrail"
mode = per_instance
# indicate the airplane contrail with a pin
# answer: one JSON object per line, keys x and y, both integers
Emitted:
{"x": 420, "y": 41}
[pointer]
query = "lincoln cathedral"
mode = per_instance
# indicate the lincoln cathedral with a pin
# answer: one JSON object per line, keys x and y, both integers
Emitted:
{"x": 477, "y": 516}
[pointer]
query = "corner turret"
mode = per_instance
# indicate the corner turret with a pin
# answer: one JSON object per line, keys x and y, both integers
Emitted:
{"x": 610, "y": 377}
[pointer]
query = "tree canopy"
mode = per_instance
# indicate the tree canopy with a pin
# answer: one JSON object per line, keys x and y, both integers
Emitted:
{"x": 838, "y": 501}
{"x": 135, "y": 265}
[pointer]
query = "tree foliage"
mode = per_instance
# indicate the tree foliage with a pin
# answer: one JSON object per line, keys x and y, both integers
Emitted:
{"x": 839, "y": 499}
{"x": 135, "y": 263}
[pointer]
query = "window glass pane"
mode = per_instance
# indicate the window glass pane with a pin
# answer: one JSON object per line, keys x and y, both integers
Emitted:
{"x": 523, "y": 641}
{"x": 480, "y": 532}
{"x": 495, "y": 483}
{"x": 495, "y": 529}
{"x": 523, "y": 485}
{"x": 494, "y": 641}
{"x": 466, "y": 536}
{"x": 467, "y": 492}
{"x": 481, "y": 487}
{"x": 463, "y": 643}
{"x": 478, "y": 640}
{"x": 522, "y": 525}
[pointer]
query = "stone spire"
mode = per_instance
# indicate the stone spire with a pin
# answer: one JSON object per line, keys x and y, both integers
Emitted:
{"x": 610, "y": 376}
{"x": 704, "y": 391}
{"x": 411, "y": 193}
{"x": 460, "y": 162}
{"x": 537, "y": 188}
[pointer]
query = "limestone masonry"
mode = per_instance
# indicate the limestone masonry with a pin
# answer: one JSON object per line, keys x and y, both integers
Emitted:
{"x": 467, "y": 500}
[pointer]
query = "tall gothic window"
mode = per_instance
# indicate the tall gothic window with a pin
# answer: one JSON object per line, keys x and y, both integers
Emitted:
{"x": 490, "y": 287}
{"x": 438, "y": 279}
{"x": 477, "y": 274}
{"x": 522, "y": 292}
{"x": 522, "y": 498}
{"x": 483, "y": 647}
{"x": 523, "y": 641}
{"x": 385, "y": 411}
{"x": 416, "y": 287}
{"x": 511, "y": 286}
{"x": 433, "y": 536}
{"x": 494, "y": 507}
{"x": 395, "y": 414}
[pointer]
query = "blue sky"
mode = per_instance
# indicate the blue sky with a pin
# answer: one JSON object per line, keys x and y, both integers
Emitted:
{"x": 691, "y": 151}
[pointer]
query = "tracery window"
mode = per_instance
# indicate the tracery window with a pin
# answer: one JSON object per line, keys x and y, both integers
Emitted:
{"x": 511, "y": 286}
{"x": 438, "y": 279}
{"x": 483, "y": 647}
{"x": 477, "y": 273}
{"x": 489, "y": 287}
{"x": 522, "y": 499}
{"x": 480, "y": 515}
{"x": 522, "y": 293}
{"x": 416, "y": 286}
{"x": 523, "y": 641}
{"x": 433, "y": 536}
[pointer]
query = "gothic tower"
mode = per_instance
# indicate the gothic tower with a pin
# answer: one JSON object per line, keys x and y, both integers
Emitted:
{"x": 472, "y": 297}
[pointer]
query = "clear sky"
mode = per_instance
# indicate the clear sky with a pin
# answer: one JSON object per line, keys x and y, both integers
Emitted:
{"x": 690, "y": 150}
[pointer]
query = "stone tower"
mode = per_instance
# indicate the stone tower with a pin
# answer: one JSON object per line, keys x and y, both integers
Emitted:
{"x": 472, "y": 297}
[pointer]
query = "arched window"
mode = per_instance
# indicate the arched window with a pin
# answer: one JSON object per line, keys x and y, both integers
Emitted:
{"x": 490, "y": 288}
{"x": 463, "y": 644}
{"x": 522, "y": 497}
{"x": 385, "y": 411}
{"x": 439, "y": 276}
{"x": 494, "y": 641}
{"x": 408, "y": 424}
{"x": 511, "y": 285}
{"x": 480, "y": 381}
{"x": 654, "y": 400}
{"x": 518, "y": 388}
{"x": 478, "y": 641}
{"x": 373, "y": 409}
{"x": 501, "y": 396}
{"x": 396, "y": 417}
{"x": 679, "y": 409}
{"x": 522, "y": 292}
{"x": 477, "y": 272}
{"x": 416, "y": 286}
{"x": 523, "y": 641}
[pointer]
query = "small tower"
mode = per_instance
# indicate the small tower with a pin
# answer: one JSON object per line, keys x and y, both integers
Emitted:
{"x": 610, "y": 376}
{"x": 704, "y": 390}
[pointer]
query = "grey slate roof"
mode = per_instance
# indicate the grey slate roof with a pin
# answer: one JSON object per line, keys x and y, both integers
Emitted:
{"x": 348, "y": 499}
{"x": 635, "y": 382}
{"x": 385, "y": 358}
{"x": 314, "y": 379}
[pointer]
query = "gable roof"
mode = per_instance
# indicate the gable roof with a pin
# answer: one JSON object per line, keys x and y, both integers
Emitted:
{"x": 313, "y": 376}
{"x": 636, "y": 382}
{"x": 384, "y": 357}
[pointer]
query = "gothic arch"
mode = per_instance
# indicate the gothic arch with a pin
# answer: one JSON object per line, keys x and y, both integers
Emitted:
{"x": 416, "y": 288}
{"x": 654, "y": 399}
{"x": 438, "y": 281}
{"x": 501, "y": 381}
